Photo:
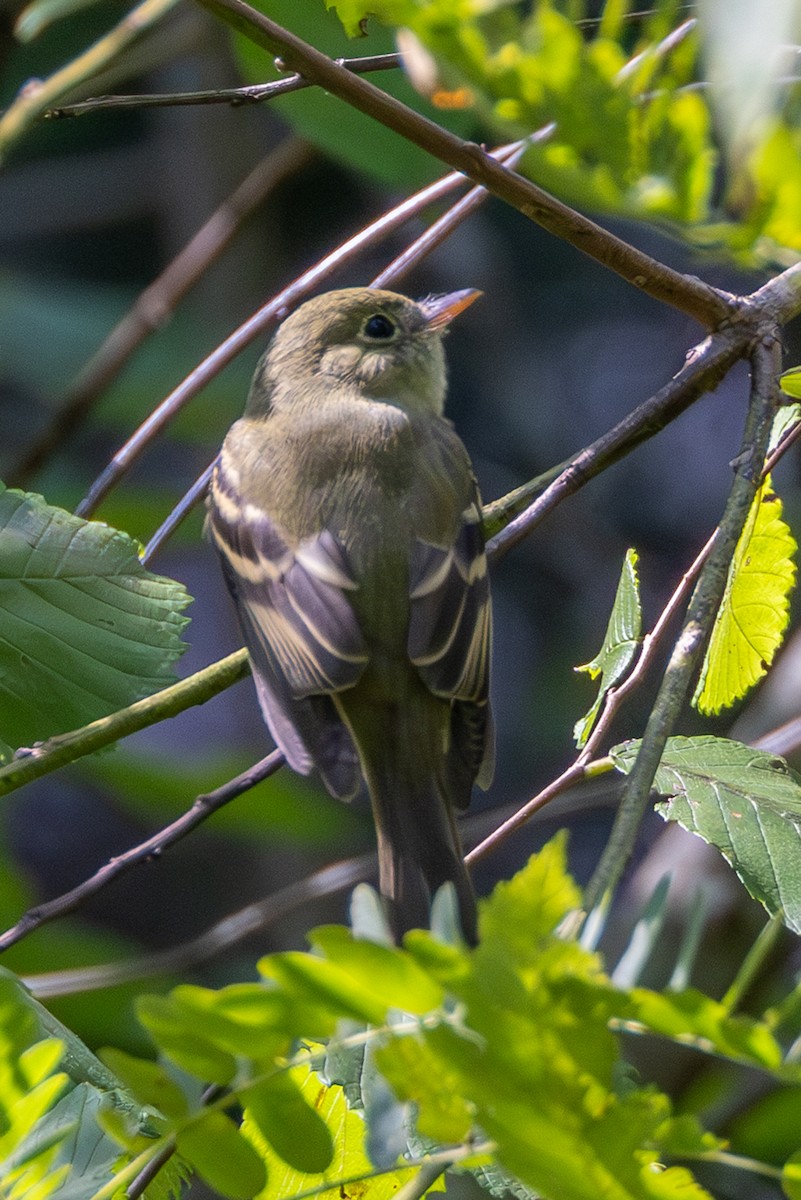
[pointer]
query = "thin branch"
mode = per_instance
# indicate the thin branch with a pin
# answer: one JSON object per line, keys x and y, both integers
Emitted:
{"x": 179, "y": 514}
{"x": 38, "y": 95}
{"x": 156, "y": 303}
{"x": 202, "y": 808}
{"x": 706, "y": 365}
{"x": 67, "y": 747}
{"x": 255, "y": 93}
{"x": 262, "y": 320}
{"x": 222, "y": 936}
{"x": 698, "y": 622}
{"x": 684, "y": 292}
{"x": 650, "y": 644}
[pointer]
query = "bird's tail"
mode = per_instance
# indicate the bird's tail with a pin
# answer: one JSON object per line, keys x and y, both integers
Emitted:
{"x": 418, "y": 844}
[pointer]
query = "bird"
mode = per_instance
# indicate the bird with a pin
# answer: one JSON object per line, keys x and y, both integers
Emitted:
{"x": 348, "y": 522}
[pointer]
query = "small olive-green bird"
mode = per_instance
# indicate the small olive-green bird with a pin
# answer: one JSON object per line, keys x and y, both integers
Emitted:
{"x": 348, "y": 521}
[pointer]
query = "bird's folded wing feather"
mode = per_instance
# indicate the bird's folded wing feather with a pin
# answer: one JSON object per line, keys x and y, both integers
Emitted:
{"x": 449, "y": 629}
{"x": 296, "y": 601}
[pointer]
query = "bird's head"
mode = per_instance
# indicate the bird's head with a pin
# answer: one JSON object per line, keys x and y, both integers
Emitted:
{"x": 374, "y": 343}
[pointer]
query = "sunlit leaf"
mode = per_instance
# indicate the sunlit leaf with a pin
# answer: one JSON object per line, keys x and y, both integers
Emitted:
{"x": 349, "y": 1161}
{"x": 755, "y": 608}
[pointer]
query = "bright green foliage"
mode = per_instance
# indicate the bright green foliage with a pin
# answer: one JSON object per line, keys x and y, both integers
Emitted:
{"x": 633, "y": 132}
{"x": 619, "y": 645}
{"x": 745, "y": 802}
{"x": 509, "y": 1053}
{"x": 790, "y": 382}
{"x": 222, "y": 1156}
{"x": 755, "y": 609}
{"x": 63, "y": 1115}
{"x": 611, "y": 148}
{"x": 347, "y": 1133}
{"x": 86, "y": 628}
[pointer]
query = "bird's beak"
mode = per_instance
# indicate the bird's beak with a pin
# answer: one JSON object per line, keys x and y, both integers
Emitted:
{"x": 440, "y": 310}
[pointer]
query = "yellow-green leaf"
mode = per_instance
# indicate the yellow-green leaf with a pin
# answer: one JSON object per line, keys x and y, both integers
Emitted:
{"x": 350, "y": 1161}
{"x": 754, "y": 612}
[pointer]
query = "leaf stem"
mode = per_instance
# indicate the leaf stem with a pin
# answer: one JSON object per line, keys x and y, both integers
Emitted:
{"x": 753, "y": 962}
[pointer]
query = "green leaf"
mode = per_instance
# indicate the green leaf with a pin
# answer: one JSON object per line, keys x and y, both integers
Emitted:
{"x": 149, "y": 1081}
{"x": 349, "y": 1160}
{"x": 187, "y": 1045}
{"x": 745, "y": 802}
{"x": 619, "y": 645}
{"x": 790, "y": 382}
{"x": 351, "y": 13}
{"x": 222, "y": 1156}
{"x": 392, "y": 974}
{"x": 86, "y": 628}
{"x": 689, "y": 1015}
{"x": 63, "y": 1115}
{"x": 755, "y": 609}
{"x": 791, "y": 1176}
{"x": 292, "y": 1127}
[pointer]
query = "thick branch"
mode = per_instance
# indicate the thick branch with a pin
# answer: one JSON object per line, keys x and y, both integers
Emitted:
{"x": 688, "y": 294}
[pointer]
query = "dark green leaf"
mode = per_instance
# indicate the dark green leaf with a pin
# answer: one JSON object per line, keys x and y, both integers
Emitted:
{"x": 222, "y": 1156}
{"x": 86, "y": 629}
{"x": 745, "y": 802}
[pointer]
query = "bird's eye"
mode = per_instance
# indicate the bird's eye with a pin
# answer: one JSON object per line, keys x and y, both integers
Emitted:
{"x": 379, "y": 327}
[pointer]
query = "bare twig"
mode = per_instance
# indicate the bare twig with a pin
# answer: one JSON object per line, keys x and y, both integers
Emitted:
{"x": 705, "y": 367}
{"x": 202, "y": 808}
{"x": 254, "y": 93}
{"x": 38, "y": 95}
{"x": 684, "y": 292}
{"x": 233, "y": 929}
{"x": 156, "y": 303}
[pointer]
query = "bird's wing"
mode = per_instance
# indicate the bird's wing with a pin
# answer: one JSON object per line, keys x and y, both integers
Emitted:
{"x": 450, "y": 638}
{"x": 301, "y": 632}
{"x": 449, "y": 627}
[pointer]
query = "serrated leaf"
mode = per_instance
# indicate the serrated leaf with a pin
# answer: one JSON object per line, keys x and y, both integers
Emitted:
{"x": 222, "y": 1156}
{"x": 744, "y": 801}
{"x": 755, "y": 609}
{"x": 619, "y": 645}
{"x": 86, "y": 628}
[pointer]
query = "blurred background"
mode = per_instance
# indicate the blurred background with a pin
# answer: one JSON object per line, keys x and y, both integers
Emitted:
{"x": 94, "y": 209}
